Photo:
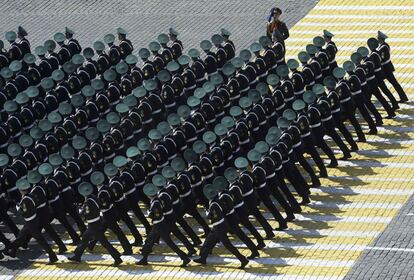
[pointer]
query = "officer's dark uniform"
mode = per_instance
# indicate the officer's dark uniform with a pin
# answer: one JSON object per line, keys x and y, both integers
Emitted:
{"x": 31, "y": 228}
{"x": 331, "y": 51}
{"x": 177, "y": 49}
{"x": 199, "y": 68}
{"x": 94, "y": 231}
{"x": 384, "y": 52}
{"x": 125, "y": 48}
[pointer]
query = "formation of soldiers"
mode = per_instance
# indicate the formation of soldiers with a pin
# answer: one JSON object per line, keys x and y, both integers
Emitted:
{"x": 179, "y": 133}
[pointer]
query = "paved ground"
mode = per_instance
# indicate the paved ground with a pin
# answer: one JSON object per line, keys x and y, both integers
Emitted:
{"x": 354, "y": 218}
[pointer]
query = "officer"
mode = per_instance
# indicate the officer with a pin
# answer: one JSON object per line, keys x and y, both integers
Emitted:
{"x": 103, "y": 59}
{"x": 14, "y": 50}
{"x": 4, "y": 58}
{"x": 95, "y": 231}
{"x": 219, "y": 231}
{"x": 360, "y": 100}
{"x": 385, "y": 52}
{"x": 114, "y": 52}
{"x": 52, "y": 56}
{"x": 348, "y": 106}
{"x": 72, "y": 43}
{"x": 229, "y": 46}
{"x": 322, "y": 55}
{"x": 297, "y": 78}
{"x": 176, "y": 45}
{"x": 375, "y": 57}
{"x": 275, "y": 25}
{"x": 335, "y": 107}
{"x": 286, "y": 85}
{"x": 24, "y": 44}
{"x": 125, "y": 45}
{"x": 148, "y": 66}
{"x": 331, "y": 49}
{"x": 157, "y": 59}
{"x": 211, "y": 63}
{"x": 159, "y": 228}
{"x": 226, "y": 202}
{"x": 188, "y": 74}
{"x": 31, "y": 227}
{"x": 198, "y": 66}
{"x": 221, "y": 54}
{"x": 369, "y": 68}
{"x": 314, "y": 63}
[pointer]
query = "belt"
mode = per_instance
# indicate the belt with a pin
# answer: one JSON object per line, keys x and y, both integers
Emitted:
{"x": 95, "y": 119}
{"x": 152, "y": 172}
{"x": 248, "y": 193}
{"x": 106, "y": 210}
{"x": 93, "y": 220}
{"x": 280, "y": 107}
{"x": 176, "y": 202}
{"x": 158, "y": 221}
{"x": 319, "y": 76}
{"x": 220, "y": 114}
{"x": 211, "y": 74}
{"x": 363, "y": 84}
{"x": 191, "y": 139}
{"x": 30, "y": 218}
{"x": 262, "y": 122}
{"x": 244, "y": 90}
{"x": 172, "y": 157}
{"x": 168, "y": 212}
{"x": 280, "y": 167}
{"x": 296, "y": 145}
{"x": 190, "y": 88}
{"x": 41, "y": 205}
{"x": 86, "y": 173}
{"x": 201, "y": 79}
{"x": 315, "y": 125}
{"x": 110, "y": 156}
{"x": 262, "y": 186}
{"x": 371, "y": 78}
{"x": 377, "y": 69}
{"x": 245, "y": 141}
{"x": 231, "y": 212}
{"x": 229, "y": 158}
{"x": 163, "y": 165}
{"x": 53, "y": 200}
{"x": 130, "y": 191}
{"x": 306, "y": 134}
{"x": 345, "y": 100}
{"x": 196, "y": 184}
{"x": 356, "y": 92}
{"x": 170, "y": 105}
{"x": 332, "y": 61}
{"x": 280, "y": 60}
{"x": 208, "y": 176}
{"x": 147, "y": 121}
{"x": 263, "y": 75}
{"x": 200, "y": 130}
{"x": 386, "y": 62}
{"x": 326, "y": 68}
{"x": 156, "y": 111}
{"x": 66, "y": 189}
{"x": 186, "y": 194}
{"x": 327, "y": 118}
{"x": 285, "y": 161}
{"x": 239, "y": 205}
{"x": 130, "y": 137}
{"x": 235, "y": 97}
{"x": 12, "y": 189}
{"x": 290, "y": 151}
{"x": 218, "y": 222}
{"x": 299, "y": 92}
{"x": 336, "y": 110}
{"x": 120, "y": 199}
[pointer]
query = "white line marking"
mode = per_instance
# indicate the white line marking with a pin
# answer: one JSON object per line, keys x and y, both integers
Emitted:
{"x": 361, "y": 190}
{"x": 402, "y": 17}
{"x": 362, "y": 7}
{"x": 391, "y": 249}
{"x": 355, "y": 205}
{"x": 370, "y": 24}
{"x": 391, "y": 40}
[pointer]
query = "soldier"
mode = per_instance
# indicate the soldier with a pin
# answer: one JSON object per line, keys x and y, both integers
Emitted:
{"x": 157, "y": 59}
{"x": 94, "y": 231}
{"x": 14, "y": 50}
{"x": 229, "y": 46}
{"x": 72, "y": 43}
{"x": 166, "y": 52}
{"x": 113, "y": 51}
{"x": 31, "y": 227}
{"x": 176, "y": 45}
{"x": 331, "y": 49}
{"x": 385, "y": 52}
{"x": 219, "y": 231}
{"x": 275, "y": 25}
{"x": 308, "y": 75}
{"x": 297, "y": 78}
{"x": 211, "y": 64}
{"x": 221, "y": 54}
{"x": 148, "y": 66}
{"x": 198, "y": 66}
{"x": 103, "y": 59}
{"x": 4, "y": 57}
{"x": 125, "y": 45}
{"x": 160, "y": 229}
{"x": 24, "y": 44}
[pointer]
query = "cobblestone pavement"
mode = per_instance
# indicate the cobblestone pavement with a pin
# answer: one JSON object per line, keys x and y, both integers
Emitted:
{"x": 351, "y": 216}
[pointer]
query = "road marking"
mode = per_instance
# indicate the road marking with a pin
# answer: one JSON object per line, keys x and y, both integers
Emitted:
{"x": 362, "y": 7}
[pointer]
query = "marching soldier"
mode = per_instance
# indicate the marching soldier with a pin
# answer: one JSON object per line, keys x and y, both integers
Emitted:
{"x": 221, "y": 54}
{"x": 14, "y": 50}
{"x": 385, "y": 52}
{"x": 160, "y": 229}
{"x": 125, "y": 45}
{"x": 331, "y": 49}
{"x": 166, "y": 52}
{"x": 24, "y": 44}
{"x": 228, "y": 44}
{"x": 72, "y": 43}
{"x": 113, "y": 51}
{"x": 198, "y": 66}
{"x": 94, "y": 231}
{"x": 219, "y": 231}
{"x": 176, "y": 45}
{"x": 103, "y": 59}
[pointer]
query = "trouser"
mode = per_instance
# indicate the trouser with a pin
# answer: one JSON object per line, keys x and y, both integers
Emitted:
{"x": 4, "y": 240}
{"x": 362, "y": 108}
{"x": 32, "y": 229}
{"x": 272, "y": 185}
{"x": 132, "y": 202}
{"x": 6, "y": 219}
{"x": 329, "y": 126}
{"x": 345, "y": 132}
{"x": 178, "y": 210}
{"x": 70, "y": 208}
{"x": 233, "y": 223}
{"x": 264, "y": 195}
{"x": 170, "y": 221}
{"x": 285, "y": 190}
{"x": 243, "y": 216}
{"x": 122, "y": 209}
{"x": 296, "y": 179}
{"x": 190, "y": 207}
{"x": 219, "y": 234}
{"x": 387, "y": 93}
{"x": 251, "y": 204}
{"x": 110, "y": 220}
{"x": 198, "y": 192}
{"x": 95, "y": 231}
{"x": 309, "y": 146}
{"x": 298, "y": 152}
{"x": 318, "y": 134}
{"x": 60, "y": 215}
{"x": 350, "y": 115}
{"x": 393, "y": 81}
{"x": 366, "y": 92}
{"x": 160, "y": 230}
{"x": 376, "y": 92}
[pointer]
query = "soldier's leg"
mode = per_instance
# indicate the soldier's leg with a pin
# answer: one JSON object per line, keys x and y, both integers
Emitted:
{"x": 262, "y": 221}
{"x": 224, "y": 239}
{"x": 4, "y": 240}
{"x": 191, "y": 209}
{"x": 235, "y": 228}
{"x": 375, "y": 91}
{"x": 360, "y": 103}
{"x": 73, "y": 212}
{"x": 306, "y": 166}
{"x": 388, "y": 94}
{"x": 265, "y": 198}
{"x": 188, "y": 230}
{"x": 373, "y": 110}
{"x": 61, "y": 217}
{"x": 211, "y": 240}
{"x": 244, "y": 220}
{"x": 358, "y": 129}
{"x": 321, "y": 143}
{"x": 337, "y": 139}
{"x": 55, "y": 237}
{"x": 311, "y": 150}
{"x": 167, "y": 239}
{"x": 281, "y": 199}
{"x": 345, "y": 132}
{"x": 130, "y": 224}
{"x": 37, "y": 235}
{"x": 114, "y": 227}
{"x": 99, "y": 235}
{"x": 133, "y": 205}
{"x": 288, "y": 194}
{"x": 393, "y": 81}
{"x": 295, "y": 177}
{"x": 8, "y": 221}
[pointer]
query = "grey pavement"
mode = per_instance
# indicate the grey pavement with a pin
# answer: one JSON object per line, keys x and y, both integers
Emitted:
{"x": 391, "y": 256}
{"x": 144, "y": 20}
